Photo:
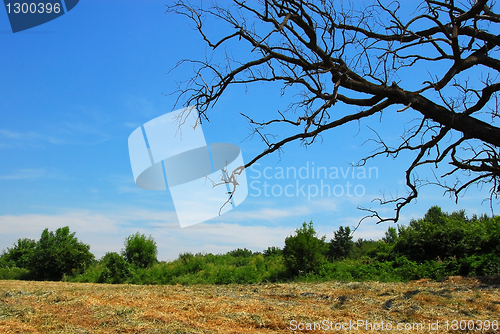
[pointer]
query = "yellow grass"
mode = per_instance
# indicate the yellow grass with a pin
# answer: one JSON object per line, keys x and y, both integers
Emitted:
{"x": 58, "y": 307}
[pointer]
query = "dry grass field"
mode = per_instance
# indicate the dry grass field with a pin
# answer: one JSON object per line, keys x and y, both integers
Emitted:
{"x": 58, "y": 307}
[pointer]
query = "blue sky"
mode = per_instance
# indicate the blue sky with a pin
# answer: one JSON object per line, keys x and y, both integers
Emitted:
{"x": 75, "y": 88}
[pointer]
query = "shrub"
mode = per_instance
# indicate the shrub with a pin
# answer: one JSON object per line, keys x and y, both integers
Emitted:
{"x": 241, "y": 252}
{"x": 14, "y": 273}
{"x": 446, "y": 236}
{"x": 20, "y": 255}
{"x": 272, "y": 251}
{"x": 140, "y": 251}
{"x": 391, "y": 236}
{"x": 304, "y": 252}
{"x": 362, "y": 248}
{"x": 382, "y": 251}
{"x": 116, "y": 269}
{"x": 192, "y": 263}
{"x": 58, "y": 254}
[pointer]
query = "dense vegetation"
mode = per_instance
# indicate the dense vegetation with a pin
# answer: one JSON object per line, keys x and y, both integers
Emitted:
{"x": 52, "y": 257}
{"x": 436, "y": 246}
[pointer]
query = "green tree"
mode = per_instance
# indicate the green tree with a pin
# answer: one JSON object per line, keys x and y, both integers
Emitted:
{"x": 434, "y": 215}
{"x": 21, "y": 254}
{"x": 241, "y": 252}
{"x": 445, "y": 236}
{"x": 391, "y": 235}
{"x": 271, "y": 251}
{"x": 304, "y": 252}
{"x": 116, "y": 269}
{"x": 59, "y": 253}
{"x": 362, "y": 248}
{"x": 140, "y": 251}
{"x": 341, "y": 245}
{"x": 492, "y": 227}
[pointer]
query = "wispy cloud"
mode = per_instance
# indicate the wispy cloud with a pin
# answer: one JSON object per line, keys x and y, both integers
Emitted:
{"x": 106, "y": 231}
{"x": 138, "y": 105}
{"x": 29, "y": 137}
{"x": 326, "y": 204}
{"x": 92, "y": 131}
{"x": 132, "y": 125}
{"x": 27, "y": 173}
{"x": 88, "y": 126}
{"x": 266, "y": 214}
{"x": 18, "y": 135}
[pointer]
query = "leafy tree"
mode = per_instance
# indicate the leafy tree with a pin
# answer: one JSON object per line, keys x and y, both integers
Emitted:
{"x": 59, "y": 253}
{"x": 341, "y": 245}
{"x": 492, "y": 228}
{"x": 304, "y": 252}
{"x": 362, "y": 248}
{"x": 271, "y": 251}
{"x": 344, "y": 62}
{"x": 241, "y": 252}
{"x": 21, "y": 254}
{"x": 116, "y": 269}
{"x": 434, "y": 216}
{"x": 391, "y": 235}
{"x": 445, "y": 236}
{"x": 4, "y": 263}
{"x": 140, "y": 251}
{"x": 186, "y": 257}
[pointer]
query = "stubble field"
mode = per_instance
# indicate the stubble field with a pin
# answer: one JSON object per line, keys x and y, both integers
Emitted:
{"x": 59, "y": 307}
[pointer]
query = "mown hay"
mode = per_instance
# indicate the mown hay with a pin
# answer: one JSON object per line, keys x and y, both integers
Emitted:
{"x": 58, "y": 307}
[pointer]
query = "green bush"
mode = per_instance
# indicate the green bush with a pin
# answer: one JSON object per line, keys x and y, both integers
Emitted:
{"x": 492, "y": 230}
{"x": 58, "y": 254}
{"x": 304, "y": 252}
{"x": 382, "y": 251}
{"x": 489, "y": 265}
{"x": 434, "y": 247}
{"x": 391, "y": 236}
{"x": 140, "y": 251}
{"x": 192, "y": 263}
{"x": 362, "y": 248}
{"x": 272, "y": 251}
{"x": 442, "y": 236}
{"x": 14, "y": 273}
{"x": 116, "y": 270}
{"x": 241, "y": 252}
{"x": 90, "y": 275}
{"x": 20, "y": 255}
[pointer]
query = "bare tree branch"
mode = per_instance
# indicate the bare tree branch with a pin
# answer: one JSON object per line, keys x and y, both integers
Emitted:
{"x": 339, "y": 56}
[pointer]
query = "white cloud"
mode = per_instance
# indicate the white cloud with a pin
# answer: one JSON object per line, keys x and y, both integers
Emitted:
{"x": 132, "y": 125}
{"x": 29, "y": 136}
{"x": 27, "y": 173}
{"x": 326, "y": 204}
{"x": 106, "y": 231}
{"x": 33, "y": 173}
{"x": 19, "y": 135}
{"x": 266, "y": 214}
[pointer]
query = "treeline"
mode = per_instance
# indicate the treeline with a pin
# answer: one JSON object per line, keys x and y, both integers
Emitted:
{"x": 436, "y": 246}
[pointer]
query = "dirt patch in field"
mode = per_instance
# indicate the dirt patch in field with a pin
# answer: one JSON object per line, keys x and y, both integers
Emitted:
{"x": 347, "y": 307}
